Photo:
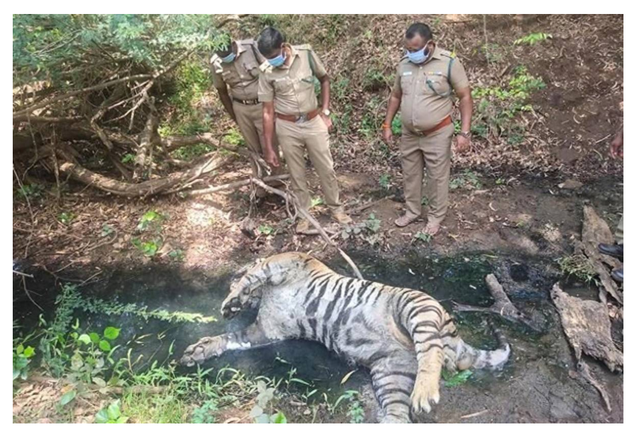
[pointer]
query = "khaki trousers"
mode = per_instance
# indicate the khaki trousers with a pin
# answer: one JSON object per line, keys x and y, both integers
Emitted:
{"x": 434, "y": 152}
{"x": 249, "y": 118}
{"x": 619, "y": 231}
{"x": 313, "y": 136}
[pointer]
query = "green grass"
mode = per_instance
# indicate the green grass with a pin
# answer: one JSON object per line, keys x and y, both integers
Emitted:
{"x": 157, "y": 408}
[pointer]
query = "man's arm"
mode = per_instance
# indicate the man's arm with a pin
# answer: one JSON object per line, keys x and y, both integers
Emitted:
{"x": 392, "y": 108}
{"x": 466, "y": 108}
{"x": 268, "y": 123}
{"x": 226, "y": 101}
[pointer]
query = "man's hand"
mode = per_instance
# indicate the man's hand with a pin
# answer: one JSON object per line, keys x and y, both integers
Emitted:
{"x": 387, "y": 135}
{"x": 271, "y": 158}
{"x": 616, "y": 147}
{"x": 463, "y": 144}
{"x": 327, "y": 121}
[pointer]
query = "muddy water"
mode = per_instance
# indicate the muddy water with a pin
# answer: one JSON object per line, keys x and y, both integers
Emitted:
{"x": 534, "y": 386}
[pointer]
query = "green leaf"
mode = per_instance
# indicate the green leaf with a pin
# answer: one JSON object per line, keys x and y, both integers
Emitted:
{"x": 16, "y": 373}
{"x": 122, "y": 420}
{"x": 102, "y": 417}
{"x": 95, "y": 338}
{"x": 84, "y": 338}
{"x": 104, "y": 345}
{"x": 20, "y": 349}
{"x": 347, "y": 376}
{"x": 262, "y": 419}
{"x": 256, "y": 411}
{"x": 68, "y": 397}
{"x": 278, "y": 418}
{"x": 458, "y": 378}
{"x": 111, "y": 333}
{"x": 100, "y": 382}
{"x": 29, "y": 352}
{"x": 114, "y": 410}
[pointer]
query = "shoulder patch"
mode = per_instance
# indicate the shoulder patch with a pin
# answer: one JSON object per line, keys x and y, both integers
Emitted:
{"x": 216, "y": 62}
{"x": 265, "y": 67}
{"x": 447, "y": 53}
{"x": 302, "y": 47}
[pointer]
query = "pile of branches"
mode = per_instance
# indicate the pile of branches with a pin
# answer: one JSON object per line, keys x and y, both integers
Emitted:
{"x": 86, "y": 88}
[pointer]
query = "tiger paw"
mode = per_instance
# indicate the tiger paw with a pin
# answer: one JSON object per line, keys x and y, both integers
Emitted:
{"x": 205, "y": 348}
{"x": 426, "y": 393}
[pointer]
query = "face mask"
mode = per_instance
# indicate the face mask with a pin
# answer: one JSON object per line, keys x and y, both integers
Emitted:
{"x": 278, "y": 61}
{"x": 419, "y": 56}
{"x": 230, "y": 58}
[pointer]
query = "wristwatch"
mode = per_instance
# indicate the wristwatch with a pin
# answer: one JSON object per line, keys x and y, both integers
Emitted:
{"x": 326, "y": 112}
{"x": 465, "y": 134}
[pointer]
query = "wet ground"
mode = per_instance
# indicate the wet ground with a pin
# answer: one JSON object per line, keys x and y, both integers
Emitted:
{"x": 535, "y": 386}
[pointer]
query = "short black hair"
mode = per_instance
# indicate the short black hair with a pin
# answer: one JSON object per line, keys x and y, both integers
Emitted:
{"x": 419, "y": 28}
{"x": 269, "y": 40}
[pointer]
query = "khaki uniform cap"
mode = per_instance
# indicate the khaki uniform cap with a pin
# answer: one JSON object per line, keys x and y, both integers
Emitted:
{"x": 292, "y": 87}
{"x": 242, "y": 74}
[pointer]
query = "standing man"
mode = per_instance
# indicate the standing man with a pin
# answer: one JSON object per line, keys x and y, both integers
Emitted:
{"x": 426, "y": 80}
{"x": 290, "y": 107}
{"x": 235, "y": 69}
{"x": 616, "y": 250}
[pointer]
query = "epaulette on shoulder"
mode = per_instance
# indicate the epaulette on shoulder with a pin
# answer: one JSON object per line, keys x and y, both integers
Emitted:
{"x": 265, "y": 67}
{"x": 448, "y": 54}
{"x": 302, "y": 47}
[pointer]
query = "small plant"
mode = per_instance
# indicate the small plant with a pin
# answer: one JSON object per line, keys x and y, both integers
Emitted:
{"x": 106, "y": 230}
{"x": 66, "y": 217}
{"x": 579, "y": 266}
{"x": 385, "y": 181}
{"x": 465, "y": 180}
{"x": 21, "y": 360}
{"x": 205, "y": 414}
{"x": 148, "y": 248}
{"x": 262, "y": 411}
{"x": 177, "y": 255}
{"x": 31, "y": 190}
{"x": 500, "y": 181}
{"x": 396, "y": 126}
{"x": 111, "y": 415}
{"x": 532, "y": 39}
{"x": 150, "y": 219}
{"x": 422, "y": 236}
{"x": 373, "y": 223}
{"x": 456, "y": 379}
{"x": 234, "y": 137}
{"x": 266, "y": 229}
{"x": 316, "y": 201}
{"x": 374, "y": 80}
{"x": 128, "y": 158}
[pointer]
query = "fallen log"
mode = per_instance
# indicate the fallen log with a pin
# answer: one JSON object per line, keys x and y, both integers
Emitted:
{"x": 142, "y": 189}
{"x": 502, "y": 305}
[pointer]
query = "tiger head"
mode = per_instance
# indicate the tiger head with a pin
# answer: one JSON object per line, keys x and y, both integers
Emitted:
{"x": 246, "y": 288}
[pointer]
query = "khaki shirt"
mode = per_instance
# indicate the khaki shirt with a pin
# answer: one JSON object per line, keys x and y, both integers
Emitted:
{"x": 241, "y": 75}
{"x": 292, "y": 87}
{"x": 422, "y": 108}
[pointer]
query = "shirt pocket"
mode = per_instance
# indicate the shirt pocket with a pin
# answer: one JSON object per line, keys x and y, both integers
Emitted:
{"x": 231, "y": 78}
{"x": 438, "y": 84}
{"x": 406, "y": 81}
{"x": 284, "y": 86}
{"x": 305, "y": 84}
{"x": 251, "y": 69}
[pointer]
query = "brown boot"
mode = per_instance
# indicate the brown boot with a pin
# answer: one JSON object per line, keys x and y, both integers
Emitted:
{"x": 340, "y": 216}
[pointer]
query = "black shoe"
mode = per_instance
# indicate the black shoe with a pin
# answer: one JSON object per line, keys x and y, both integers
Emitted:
{"x": 617, "y": 275}
{"x": 614, "y": 250}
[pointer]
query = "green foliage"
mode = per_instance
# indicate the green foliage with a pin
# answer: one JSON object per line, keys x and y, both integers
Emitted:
{"x": 66, "y": 217}
{"x": 21, "y": 359}
{"x": 532, "y": 39}
{"x": 457, "y": 379}
{"x": 316, "y": 201}
{"x": 177, "y": 255}
{"x": 367, "y": 230}
{"x": 106, "y": 230}
{"x": 263, "y": 411}
{"x": 68, "y": 397}
{"x": 374, "y": 80}
{"x": 373, "y": 223}
{"x": 385, "y": 181}
{"x": 205, "y": 414}
{"x": 422, "y": 236}
{"x": 30, "y": 191}
{"x": 150, "y": 219}
{"x": 148, "y": 248}
{"x": 234, "y": 137}
{"x": 466, "y": 180}
{"x": 396, "y": 126}
{"x": 188, "y": 153}
{"x": 577, "y": 265}
{"x": 111, "y": 415}
{"x": 266, "y": 230}
{"x": 498, "y": 106}
{"x": 128, "y": 158}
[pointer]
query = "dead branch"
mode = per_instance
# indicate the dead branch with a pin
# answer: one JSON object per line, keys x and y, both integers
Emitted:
{"x": 233, "y": 185}
{"x": 502, "y": 305}
{"x": 143, "y": 155}
{"x": 292, "y": 198}
{"x": 144, "y": 189}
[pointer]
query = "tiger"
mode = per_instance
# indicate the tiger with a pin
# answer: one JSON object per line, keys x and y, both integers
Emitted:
{"x": 404, "y": 337}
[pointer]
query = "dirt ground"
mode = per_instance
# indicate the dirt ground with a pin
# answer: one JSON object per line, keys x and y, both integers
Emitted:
{"x": 511, "y": 203}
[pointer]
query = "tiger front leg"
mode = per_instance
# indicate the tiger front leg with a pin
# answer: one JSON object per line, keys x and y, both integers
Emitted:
{"x": 426, "y": 391}
{"x": 211, "y": 347}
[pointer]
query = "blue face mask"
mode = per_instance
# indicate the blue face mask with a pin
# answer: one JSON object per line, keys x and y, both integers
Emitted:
{"x": 278, "y": 61}
{"x": 230, "y": 58}
{"x": 419, "y": 56}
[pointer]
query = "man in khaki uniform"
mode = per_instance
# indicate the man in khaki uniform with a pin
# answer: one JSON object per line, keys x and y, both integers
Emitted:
{"x": 426, "y": 80}
{"x": 235, "y": 69}
{"x": 286, "y": 89}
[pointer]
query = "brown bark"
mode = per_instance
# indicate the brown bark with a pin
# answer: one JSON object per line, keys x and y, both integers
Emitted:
{"x": 143, "y": 155}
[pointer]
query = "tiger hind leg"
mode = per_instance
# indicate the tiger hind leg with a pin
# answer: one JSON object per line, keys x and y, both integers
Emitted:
{"x": 210, "y": 347}
{"x": 393, "y": 380}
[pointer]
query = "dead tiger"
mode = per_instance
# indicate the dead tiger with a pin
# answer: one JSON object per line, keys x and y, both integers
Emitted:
{"x": 403, "y": 336}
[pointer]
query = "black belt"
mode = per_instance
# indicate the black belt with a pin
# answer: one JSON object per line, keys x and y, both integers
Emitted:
{"x": 247, "y": 101}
